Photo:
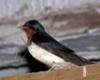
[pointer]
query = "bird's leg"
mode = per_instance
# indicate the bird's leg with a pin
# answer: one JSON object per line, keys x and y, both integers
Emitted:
{"x": 84, "y": 71}
{"x": 60, "y": 66}
{"x": 52, "y": 68}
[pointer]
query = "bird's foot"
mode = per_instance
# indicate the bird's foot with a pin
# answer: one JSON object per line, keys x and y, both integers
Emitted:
{"x": 59, "y": 66}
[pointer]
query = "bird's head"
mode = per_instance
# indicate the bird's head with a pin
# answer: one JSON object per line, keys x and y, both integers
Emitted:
{"x": 32, "y": 28}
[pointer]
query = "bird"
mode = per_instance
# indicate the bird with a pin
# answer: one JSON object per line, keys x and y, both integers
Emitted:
{"x": 48, "y": 50}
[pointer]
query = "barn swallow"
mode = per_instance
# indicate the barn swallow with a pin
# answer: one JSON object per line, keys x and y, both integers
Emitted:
{"x": 47, "y": 50}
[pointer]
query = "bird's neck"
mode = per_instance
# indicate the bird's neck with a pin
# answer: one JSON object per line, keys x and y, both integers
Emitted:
{"x": 34, "y": 38}
{"x": 41, "y": 38}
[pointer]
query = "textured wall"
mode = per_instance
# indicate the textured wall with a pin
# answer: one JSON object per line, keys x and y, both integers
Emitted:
{"x": 8, "y": 8}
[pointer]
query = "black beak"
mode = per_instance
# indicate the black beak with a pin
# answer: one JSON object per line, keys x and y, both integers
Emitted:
{"x": 20, "y": 27}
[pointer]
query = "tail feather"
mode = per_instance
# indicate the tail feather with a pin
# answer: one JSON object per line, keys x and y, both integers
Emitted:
{"x": 94, "y": 60}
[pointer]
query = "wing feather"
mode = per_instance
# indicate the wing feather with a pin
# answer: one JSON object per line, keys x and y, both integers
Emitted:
{"x": 56, "y": 48}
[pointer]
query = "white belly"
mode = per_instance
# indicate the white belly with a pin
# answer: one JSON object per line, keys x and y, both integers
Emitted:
{"x": 44, "y": 56}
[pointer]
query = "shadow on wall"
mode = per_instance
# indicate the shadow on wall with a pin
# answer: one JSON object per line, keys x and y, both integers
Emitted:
{"x": 33, "y": 64}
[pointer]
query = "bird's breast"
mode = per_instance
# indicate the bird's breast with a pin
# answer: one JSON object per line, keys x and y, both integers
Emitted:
{"x": 44, "y": 56}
